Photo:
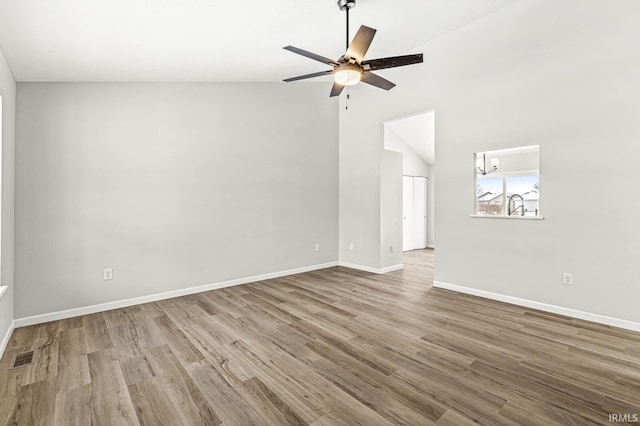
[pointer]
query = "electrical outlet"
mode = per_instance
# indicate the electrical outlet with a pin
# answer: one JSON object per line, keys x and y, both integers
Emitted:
{"x": 351, "y": 246}
{"x": 317, "y": 247}
{"x": 107, "y": 274}
{"x": 567, "y": 279}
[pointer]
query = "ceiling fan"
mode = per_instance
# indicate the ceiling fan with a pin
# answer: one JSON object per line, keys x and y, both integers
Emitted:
{"x": 351, "y": 68}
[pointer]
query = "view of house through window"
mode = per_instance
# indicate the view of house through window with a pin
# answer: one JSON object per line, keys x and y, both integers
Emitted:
{"x": 508, "y": 182}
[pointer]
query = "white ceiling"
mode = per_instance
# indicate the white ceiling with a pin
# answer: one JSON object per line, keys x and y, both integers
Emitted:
{"x": 209, "y": 40}
{"x": 418, "y": 132}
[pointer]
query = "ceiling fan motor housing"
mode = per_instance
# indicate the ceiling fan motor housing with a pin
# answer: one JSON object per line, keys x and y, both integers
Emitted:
{"x": 346, "y": 4}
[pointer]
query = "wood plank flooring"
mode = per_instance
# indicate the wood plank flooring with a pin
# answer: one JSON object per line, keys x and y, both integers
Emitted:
{"x": 330, "y": 347}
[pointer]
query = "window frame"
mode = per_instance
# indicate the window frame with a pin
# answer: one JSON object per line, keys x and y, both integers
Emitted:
{"x": 503, "y": 176}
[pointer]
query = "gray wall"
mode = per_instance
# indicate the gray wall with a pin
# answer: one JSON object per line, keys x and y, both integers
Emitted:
{"x": 171, "y": 185}
{"x": 561, "y": 75}
{"x": 412, "y": 163}
{"x": 431, "y": 206}
{"x": 361, "y": 149}
{"x": 391, "y": 209}
{"x": 8, "y": 93}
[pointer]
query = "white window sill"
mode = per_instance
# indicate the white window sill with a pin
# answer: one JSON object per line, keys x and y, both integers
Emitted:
{"x": 496, "y": 216}
{"x": 3, "y": 289}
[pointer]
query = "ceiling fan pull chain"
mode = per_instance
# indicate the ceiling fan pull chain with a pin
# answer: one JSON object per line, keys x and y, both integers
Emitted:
{"x": 346, "y": 104}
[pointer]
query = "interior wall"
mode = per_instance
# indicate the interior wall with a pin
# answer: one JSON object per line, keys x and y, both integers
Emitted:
{"x": 8, "y": 93}
{"x": 539, "y": 72}
{"x": 360, "y": 156}
{"x": 514, "y": 163}
{"x": 391, "y": 209}
{"x": 414, "y": 165}
{"x": 431, "y": 203}
{"x": 171, "y": 185}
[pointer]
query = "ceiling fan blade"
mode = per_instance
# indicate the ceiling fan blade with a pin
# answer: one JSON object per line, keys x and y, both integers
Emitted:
{"x": 336, "y": 89}
{"x": 360, "y": 44}
{"x": 376, "y": 80}
{"x": 311, "y": 55}
{"x": 395, "y": 61}
{"x": 315, "y": 74}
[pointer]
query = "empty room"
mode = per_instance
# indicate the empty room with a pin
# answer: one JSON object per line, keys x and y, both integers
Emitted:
{"x": 328, "y": 212}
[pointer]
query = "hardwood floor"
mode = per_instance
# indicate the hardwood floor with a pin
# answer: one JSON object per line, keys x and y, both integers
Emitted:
{"x": 329, "y": 347}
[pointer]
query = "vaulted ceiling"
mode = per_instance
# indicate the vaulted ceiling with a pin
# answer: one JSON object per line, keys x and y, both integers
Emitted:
{"x": 418, "y": 132}
{"x": 209, "y": 40}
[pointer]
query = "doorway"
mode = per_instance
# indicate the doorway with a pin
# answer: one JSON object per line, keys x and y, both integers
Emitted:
{"x": 414, "y": 137}
{"x": 414, "y": 213}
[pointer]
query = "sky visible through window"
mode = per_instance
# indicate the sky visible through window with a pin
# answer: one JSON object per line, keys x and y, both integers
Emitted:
{"x": 521, "y": 184}
{"x": 493, "y": 185}
{"x": 515, "y": 184}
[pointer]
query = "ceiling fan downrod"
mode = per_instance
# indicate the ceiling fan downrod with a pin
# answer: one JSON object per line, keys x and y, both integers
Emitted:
{"x": 346, "y": 5}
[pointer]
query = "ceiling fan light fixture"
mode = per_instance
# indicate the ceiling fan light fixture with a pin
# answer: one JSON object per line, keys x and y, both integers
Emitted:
{"x": 347, "y": 75}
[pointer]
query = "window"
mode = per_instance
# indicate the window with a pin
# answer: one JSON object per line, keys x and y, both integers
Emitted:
{"x": 507, "y": 183}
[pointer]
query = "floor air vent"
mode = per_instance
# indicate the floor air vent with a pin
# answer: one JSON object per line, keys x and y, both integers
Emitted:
{"x": 25, "y": 358}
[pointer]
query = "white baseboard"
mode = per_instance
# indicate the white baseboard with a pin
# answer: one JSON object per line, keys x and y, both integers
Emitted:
{"x": 371, "y": 269}
{"x": 85, "y": 310}
{"x": 573, "y": 313}
{"x": 391, "y": 268}
{"x": 5, "y": 339}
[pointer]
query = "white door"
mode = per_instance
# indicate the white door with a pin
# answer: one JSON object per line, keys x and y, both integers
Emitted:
{"x": 419, "y": 212}
{"x": 407, "y": 213}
